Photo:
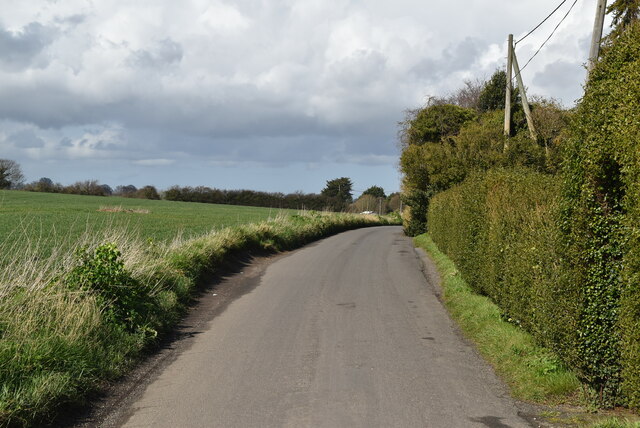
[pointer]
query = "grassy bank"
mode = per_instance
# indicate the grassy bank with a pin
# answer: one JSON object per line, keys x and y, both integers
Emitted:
{"x": 73, "y": 320}
{"x": 533, "y": 373}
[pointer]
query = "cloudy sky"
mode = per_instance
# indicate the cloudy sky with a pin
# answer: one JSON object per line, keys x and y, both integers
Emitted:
{"x": 273, "y": 95}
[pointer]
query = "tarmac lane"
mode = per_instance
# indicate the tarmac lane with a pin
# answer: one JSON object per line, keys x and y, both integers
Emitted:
{"x": 346, "y": 332}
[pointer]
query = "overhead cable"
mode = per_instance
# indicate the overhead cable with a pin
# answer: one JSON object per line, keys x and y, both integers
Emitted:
{"x": 543, "y": 21}
{"x": 550, "y": 36}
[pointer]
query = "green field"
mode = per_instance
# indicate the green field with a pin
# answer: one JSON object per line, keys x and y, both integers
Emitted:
{"x": 53, "y": 219}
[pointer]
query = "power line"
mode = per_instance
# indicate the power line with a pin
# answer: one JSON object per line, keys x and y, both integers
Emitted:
{"x": 543, "y": 21}
{"x": 548, "y": 38}
{"x": 512, "y": 62}
{"x": 550, "y": 35}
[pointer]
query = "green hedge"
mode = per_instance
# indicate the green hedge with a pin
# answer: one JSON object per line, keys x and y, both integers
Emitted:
{"x": 505, "y": 230}
{"x": 500, "y": 229}
{"x": 601, "y": 217}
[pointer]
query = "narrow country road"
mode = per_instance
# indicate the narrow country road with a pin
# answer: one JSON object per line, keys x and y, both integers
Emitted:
{"x": 346, "y": 332}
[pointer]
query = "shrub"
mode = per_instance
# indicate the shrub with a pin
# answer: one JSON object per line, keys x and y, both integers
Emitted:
{"x": 415, "y": 221}
{"x": 45, "y": 185}
{"x": 127, "y": 190}
{"x": 493, "y": 94}
{"x": 551, "y": 122}
{"x": 102, "y": 273}
{"x": 87, "y": 187}
{"x": 147, "y": 192}
{"x": 432, "y": 123}
{"x": 479, "y": 146}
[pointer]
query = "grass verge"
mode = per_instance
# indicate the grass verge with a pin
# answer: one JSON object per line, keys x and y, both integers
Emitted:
{"x": 533, "y": 373}
{"x": 71, "y": 321}
{"x": 616, "y": 423}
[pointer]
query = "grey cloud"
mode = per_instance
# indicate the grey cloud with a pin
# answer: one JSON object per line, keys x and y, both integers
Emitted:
{"x": 19, "y": 50}
{"x": 463, "y": 55}
{"x": 454, "y": 58}
{"x": 26, "y": 139}
{"x": 360, "y": 69}
{"x": 276, "y": 150}
{"x": 558, "y": 79}
{"x": 165, "y": 52}
{"x": 245, "y": 111}
{"x": 47, "y": 106}
{"x": 72, "y": 20}
{"x": 584, "y": 44}
{"x": 251, "y": 127}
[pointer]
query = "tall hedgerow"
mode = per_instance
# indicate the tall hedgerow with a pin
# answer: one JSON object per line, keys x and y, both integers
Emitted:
{"x": 601, "y": 220}
{"x": 560, "y": 253}
{"x": 500, "y": 228}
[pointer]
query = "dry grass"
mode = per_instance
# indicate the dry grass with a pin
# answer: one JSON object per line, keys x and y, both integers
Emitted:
{"x": 121, "y": 209}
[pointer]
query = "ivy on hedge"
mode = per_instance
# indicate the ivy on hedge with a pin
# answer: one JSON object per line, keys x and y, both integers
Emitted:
{"x": 601, "y": 219}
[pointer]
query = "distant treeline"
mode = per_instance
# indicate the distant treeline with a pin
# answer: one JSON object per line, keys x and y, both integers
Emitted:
{"x": 91, "y": 188}
{"x": 297, "y": 200}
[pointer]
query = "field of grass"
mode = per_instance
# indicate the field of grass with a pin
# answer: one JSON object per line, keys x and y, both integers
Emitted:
{"x": 68, "y": 217}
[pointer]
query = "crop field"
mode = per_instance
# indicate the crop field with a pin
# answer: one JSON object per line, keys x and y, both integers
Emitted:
{"x": 56, "y": 219}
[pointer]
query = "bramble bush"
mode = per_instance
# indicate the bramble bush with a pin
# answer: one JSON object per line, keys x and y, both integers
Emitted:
{"x": 125, "y": 300}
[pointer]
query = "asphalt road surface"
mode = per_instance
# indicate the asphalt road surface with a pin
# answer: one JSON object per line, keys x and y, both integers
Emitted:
{"x": 347, "y": 332}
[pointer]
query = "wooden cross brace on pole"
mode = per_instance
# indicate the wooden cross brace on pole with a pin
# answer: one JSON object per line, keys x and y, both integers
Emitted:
{"x": 507, "y": 100}
{"x": 513, "y": 61}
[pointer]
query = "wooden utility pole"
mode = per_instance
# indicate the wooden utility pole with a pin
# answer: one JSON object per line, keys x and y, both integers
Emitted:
{"x": 598, "y": 25}
{"x": 507, "y": 101}
{"x": 523, "y": 95}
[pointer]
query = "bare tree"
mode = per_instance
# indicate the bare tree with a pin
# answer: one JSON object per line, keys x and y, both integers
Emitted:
{"x": 467, "y": 96}
{"x": 550, "y": 120}
{"x": 10, "y": 174}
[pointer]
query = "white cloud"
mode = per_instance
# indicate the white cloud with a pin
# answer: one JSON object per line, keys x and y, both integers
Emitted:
{"x": 224, "y": 19}
{"x": 154, "y": 162}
